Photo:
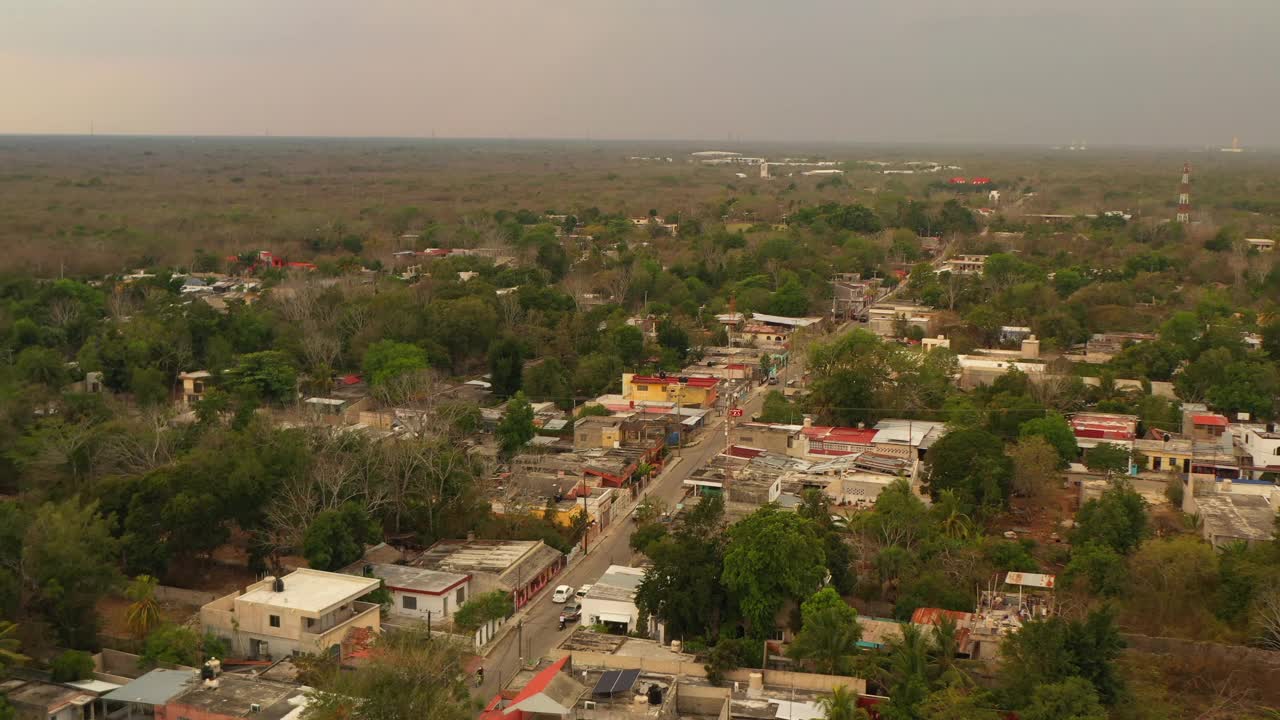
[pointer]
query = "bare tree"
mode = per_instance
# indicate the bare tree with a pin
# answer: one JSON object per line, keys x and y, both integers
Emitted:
{"x": 140, "y": 446}
{"x": 1267, "y": 619}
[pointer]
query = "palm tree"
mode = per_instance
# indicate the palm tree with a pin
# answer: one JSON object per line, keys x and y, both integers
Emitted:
{"x": 144, "y": 612}
{"x": 841, "y": 705}
{"x": 906, "y": 673}
{"x": 946, "y": 642}
{"x": 9, "y": 644}
{"x": 954, "y": 523}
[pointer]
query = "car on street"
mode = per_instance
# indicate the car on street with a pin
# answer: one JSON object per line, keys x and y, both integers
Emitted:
{"x": 562, "y": 594}
{"x": 582, "y": 591}
{"x": 570, "y": 612}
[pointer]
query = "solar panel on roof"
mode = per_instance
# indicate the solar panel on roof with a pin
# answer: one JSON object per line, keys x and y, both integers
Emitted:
{"x": 616, "y": 681}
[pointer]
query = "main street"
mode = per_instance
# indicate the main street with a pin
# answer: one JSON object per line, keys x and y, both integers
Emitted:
{"x": 537, "y": 629}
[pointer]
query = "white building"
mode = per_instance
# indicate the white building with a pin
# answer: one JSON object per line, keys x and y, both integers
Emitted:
{"x": 1261, "y": 443}
{"x": 418, "y": 593}
{"x": 612, "y": 599}
{"x": 307, "y": 611}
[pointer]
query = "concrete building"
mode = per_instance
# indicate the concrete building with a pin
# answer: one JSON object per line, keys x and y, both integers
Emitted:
{"x": 38, "y": 700}
{"x": 1227, "y": 516}
{"x": 689, "y": 391}
{"x": 233, "y": 696}
{"x": 612, "y": 599}
{"x": 1185, "y": 455}
{"x": 1204, "y": 425}
{"x": 851, "y": 295}
{"x": 933, "y": 343}
{"x": 1093, "y": 428}
{"x": 1261, "y": 244}
{"x": 979, "y": 370}
{"x": 306, "y": 611}
{"x": 520, "y": 567}
{"x": 886, "y": 320}
{"x": 1261, "y": 446}
{"x": 149, "y": 695}
{"x": 964, "y": 265}
{"x": 194, "y": 385}
{"x": 418, "y": 593}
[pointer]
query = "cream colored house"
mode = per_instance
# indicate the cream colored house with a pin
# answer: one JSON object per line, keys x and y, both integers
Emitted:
{"x": 306, "y": 611}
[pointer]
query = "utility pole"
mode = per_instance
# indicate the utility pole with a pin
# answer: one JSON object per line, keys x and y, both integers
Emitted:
{"x": 519, "y": 643}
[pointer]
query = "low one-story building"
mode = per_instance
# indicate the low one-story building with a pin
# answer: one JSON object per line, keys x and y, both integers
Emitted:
{"x": 612, "y": 599}
{"x": 520, "y": 567}
{"x": 421, "y": 594}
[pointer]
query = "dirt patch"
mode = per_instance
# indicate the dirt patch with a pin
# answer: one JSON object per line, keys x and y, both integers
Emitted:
{"x": 210, "y": 576}
{"x": 114, "y": 611}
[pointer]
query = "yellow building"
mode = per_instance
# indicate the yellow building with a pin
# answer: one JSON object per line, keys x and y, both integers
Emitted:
{"x": 699, "y": 392}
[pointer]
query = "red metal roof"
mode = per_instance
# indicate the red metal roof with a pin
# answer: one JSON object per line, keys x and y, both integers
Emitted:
{"x": 540, "y": 681}
{"x": 933, "y": 616}
{"x": 827, "y": 433}
{"x": 1209, "y": 419}
{"x": 959, "y": 181}
{"x": 697, "y": 382}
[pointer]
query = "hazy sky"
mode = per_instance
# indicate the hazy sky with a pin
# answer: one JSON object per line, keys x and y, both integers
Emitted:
{"x": 1181, "y": 72}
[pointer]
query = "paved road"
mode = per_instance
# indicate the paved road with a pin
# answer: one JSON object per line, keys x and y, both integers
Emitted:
{"x": 539, "y": 622}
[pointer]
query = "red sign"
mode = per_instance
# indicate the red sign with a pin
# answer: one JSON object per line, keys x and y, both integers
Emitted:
{"x": 735, "y": 412}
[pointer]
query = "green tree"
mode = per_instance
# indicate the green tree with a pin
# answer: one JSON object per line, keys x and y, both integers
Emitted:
{"x": 674, "y": 338}
{"x": 553, "y": 258}
{"x": 72, "y": 666}
{"x": 1117, "y": 519}
{"x": 483, "y": 608}
{"x": 1054, "y": 428}
{"x": 841, "y": 704}
{"x": 627, "y": 343}
{"x": 772, "y": 557}
{"x": 790, "y": 300}
{"x": 336, "y": 538}
{"x": 973, "y": 464}
{"x": 1107, "y": 457}
{"x": 407, "y": 676}
{"x": 68, "y": 556}
{"x": 1048, "y": 651}
{"x": 144, "y": 611}
{"x": 829, "y": 633}
{"x": 9, "y": 647}
{"x": 171, "y": 645}
{"x": 548, "y": 380}
{"x": 506, "y": 366}
{"x": 516, "y": 427}
{"x": 1098, "y": 568}
{"x": 41, "y": 366}
{"x": 386, "y": 360}
{"x": 269, "y": 375}
{"x": 1035, "y": 468}
{"x": 149, "y": 386}
{"x": 1071, "y": 699}
{"x": 682, "y": 585}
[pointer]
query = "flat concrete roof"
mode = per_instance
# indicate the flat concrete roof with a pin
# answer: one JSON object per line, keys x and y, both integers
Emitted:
{"x": 1236, "y": 515}
{"x": 311, "y": 591}
{"x": 619, "y": 582}
{"x": 432, "y": 582}
{"x": 236, "y": 695}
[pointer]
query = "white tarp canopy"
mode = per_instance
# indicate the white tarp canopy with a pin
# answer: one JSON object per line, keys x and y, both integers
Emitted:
{"x": 1029, "y": 579}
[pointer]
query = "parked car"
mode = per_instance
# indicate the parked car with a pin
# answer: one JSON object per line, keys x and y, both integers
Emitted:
{"x": 562, "y": 594}
{"x": 582, "y": 591}
{"x": 570, "y": 612}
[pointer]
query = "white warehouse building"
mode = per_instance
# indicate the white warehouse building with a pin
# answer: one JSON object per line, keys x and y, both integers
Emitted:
{"x": 612, "y": 599}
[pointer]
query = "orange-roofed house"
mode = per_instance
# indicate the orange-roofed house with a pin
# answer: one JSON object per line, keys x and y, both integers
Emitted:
{"x": 687, "y": 390}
